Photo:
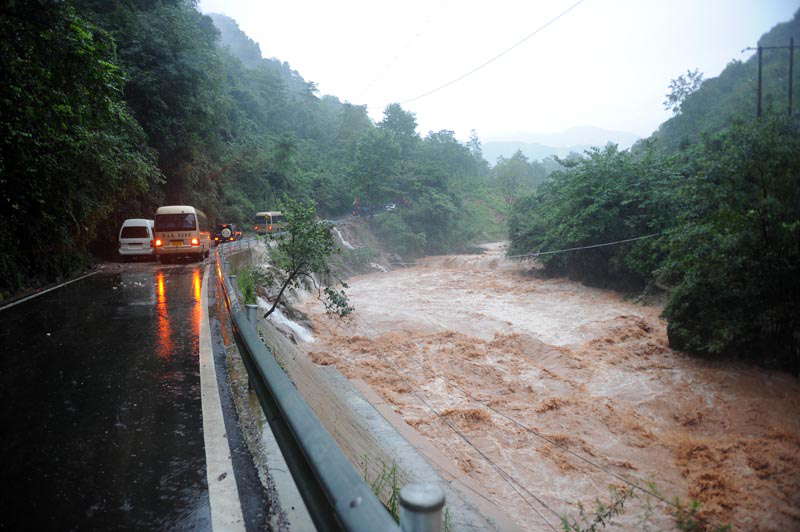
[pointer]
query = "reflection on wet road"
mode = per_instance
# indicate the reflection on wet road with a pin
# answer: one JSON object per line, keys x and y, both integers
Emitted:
{"x": 100, "y": 405}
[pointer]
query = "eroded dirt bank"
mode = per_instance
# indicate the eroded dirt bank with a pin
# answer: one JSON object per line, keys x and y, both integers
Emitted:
{"x": 567, "y": 390}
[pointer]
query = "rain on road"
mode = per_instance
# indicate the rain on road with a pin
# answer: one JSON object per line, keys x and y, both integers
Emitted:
{"x": 100, "y": 404}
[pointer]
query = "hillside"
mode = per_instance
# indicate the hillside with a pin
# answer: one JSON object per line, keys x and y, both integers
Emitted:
{"x": 493, "y": 150}
{"x": 732, "y": 94}
{"x": 153, "y": 103}
{"x": 538, "y": 146}
{"x": 707, "y": 209}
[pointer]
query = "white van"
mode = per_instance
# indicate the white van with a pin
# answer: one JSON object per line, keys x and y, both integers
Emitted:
{"x": 181, "y": 231}
{"x": 136, "y": 238}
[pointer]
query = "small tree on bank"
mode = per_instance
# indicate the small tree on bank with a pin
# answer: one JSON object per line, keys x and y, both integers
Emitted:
{"x": 300, "y": 259}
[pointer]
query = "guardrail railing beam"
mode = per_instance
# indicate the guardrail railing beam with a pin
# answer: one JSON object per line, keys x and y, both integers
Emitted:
{"x": 336, "y": 496}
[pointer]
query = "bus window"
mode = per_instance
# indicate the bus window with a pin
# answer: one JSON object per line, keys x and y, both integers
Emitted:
{"x": 176, "y": 222}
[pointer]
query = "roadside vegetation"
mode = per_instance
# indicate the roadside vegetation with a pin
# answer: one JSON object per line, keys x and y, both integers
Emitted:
{"x": 300, "y": 260}
{"x": 714, "y": 195}
{"x": 686, "y": 516}
{"x": 110, "y": 109}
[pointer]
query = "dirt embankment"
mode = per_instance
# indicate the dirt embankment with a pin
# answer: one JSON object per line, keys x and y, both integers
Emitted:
{"x": 547, "y": 392}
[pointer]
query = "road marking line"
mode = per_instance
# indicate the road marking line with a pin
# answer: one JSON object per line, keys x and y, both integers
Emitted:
{"x": 37, "y": 294}
{"x": 223, "y": 494}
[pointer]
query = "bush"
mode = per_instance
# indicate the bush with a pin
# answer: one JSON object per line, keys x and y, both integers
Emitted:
{"x": 736, "y": 256}
{"x": 247, "y": 279}
{"x": 391, "y": 228}
{"x": 609, "y": 195}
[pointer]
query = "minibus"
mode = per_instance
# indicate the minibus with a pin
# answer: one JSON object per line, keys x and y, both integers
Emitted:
{"x": 268, "y": 222}
{"x": 181, "y": 231}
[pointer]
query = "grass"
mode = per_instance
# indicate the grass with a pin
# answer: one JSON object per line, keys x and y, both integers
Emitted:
{"x": 245, "y": 279}
{"x": 385, "y": 486}
{"x": 686, "y": 516}
{"x": 602, "y": 515}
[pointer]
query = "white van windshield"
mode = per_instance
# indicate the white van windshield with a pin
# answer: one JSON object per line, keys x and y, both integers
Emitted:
{"x": 176, "y": 222}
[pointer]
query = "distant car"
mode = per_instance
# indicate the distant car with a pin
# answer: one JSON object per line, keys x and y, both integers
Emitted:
{"x": 136, "y": 238}
{"x": 226, "y": 233}
{"x": 389, "y": 207}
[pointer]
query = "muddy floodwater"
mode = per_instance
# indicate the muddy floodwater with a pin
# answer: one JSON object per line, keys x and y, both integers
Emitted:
{"x": 546, "y": 393}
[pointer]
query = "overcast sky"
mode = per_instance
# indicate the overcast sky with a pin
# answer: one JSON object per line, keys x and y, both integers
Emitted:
{"x": 606, "y": 63}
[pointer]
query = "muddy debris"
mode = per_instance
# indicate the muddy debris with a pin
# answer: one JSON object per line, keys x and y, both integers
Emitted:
{"x": 567, "y": 390}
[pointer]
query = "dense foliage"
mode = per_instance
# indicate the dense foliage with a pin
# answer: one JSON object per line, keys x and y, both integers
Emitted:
{"x": 110, "y": 109}
{"x": 718, "y": 190}
{"x": 517, "y": 176}
{"x": 711, "y": 106}
{"x": 72, "y": 154}
{"x": 300, "y": 259}
{"x": 607, "y": 196}
{"x": 735, "y": 252}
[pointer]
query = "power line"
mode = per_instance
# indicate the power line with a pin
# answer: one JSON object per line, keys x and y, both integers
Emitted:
{"x": 496, "y": 57}
{"x": 536, "y": 254}
{"x": 562, "y": 447}
{"x": 511, "y": 481}
{"x": 382, "y": 73}
{"x": 633, "y": 484}
{"x": 565, "y": 449}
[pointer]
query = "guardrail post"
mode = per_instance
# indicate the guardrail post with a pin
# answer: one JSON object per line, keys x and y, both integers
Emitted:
{"x": 421, "y": 508}
{"x": 252, "y": 312}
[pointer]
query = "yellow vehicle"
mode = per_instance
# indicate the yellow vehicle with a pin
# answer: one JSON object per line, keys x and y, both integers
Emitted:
{"x": 269, "y": 223}
{"x": 181, "y": 231}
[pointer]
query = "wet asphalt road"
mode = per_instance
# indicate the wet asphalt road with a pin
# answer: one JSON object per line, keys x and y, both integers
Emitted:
{"x": 100, "y": 405}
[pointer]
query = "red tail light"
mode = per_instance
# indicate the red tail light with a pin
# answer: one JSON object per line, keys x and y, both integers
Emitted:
{"x": 255, "y": 227}
{"x": 195, "y": 242}
{"x": 158, "y": 243}
{"x": 269, "y": 228}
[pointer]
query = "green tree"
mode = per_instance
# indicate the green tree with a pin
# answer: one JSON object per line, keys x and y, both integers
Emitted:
{"x": 174, "y": 87}
{"x": 402, "y": 125}
{"x": 71, "y": 154}
{"x": 514, "y": 176}
{"x": 301, "y": 257}
{"x": 377, "y": 157}
{"x": 735, "y": 257}
{"x": 680, "y": 88}
{"x": 711, "y": 106}
{"x": 607, "y": 196}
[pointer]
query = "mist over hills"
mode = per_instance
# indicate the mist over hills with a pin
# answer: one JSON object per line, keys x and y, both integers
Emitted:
{"x": 537, "y": 146}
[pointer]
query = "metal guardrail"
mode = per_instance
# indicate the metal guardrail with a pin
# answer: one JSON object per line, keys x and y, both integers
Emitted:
{"x": 336, "y": 496}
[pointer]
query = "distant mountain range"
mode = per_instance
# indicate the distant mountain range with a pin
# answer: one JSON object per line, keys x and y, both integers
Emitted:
{"x": 536, "y": 146}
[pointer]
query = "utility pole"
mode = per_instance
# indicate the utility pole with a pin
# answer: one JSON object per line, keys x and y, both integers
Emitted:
{"x": 791, "y": 72}
{"x": 758, "y": 91}
{"x": 760, "y": 50}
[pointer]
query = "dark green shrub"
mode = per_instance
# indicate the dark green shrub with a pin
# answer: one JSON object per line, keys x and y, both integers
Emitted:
{"x": 609, "y": 195}
{"x": 737, "y": 254}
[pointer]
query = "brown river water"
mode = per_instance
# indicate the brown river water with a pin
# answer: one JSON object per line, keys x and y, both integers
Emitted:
{"x": 547, "y": 393}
